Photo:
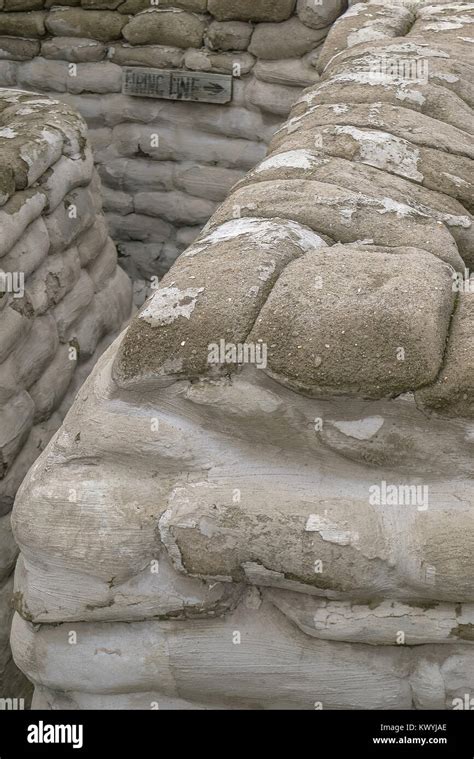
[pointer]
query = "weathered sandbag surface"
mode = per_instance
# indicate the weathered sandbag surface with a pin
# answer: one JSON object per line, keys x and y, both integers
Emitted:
{"x": 165, "y": 166}
{"x": 263, "y": 496}
{"x": 58, "y": 266}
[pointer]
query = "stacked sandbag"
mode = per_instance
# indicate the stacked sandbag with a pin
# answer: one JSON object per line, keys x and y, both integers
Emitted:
{"x": 166, "y": 165}
{"x": 272, "y": 467}
{"x": 62, "y": 297}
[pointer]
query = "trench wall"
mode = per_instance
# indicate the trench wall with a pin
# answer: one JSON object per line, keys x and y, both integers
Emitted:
{"x": 62, "y": 297}
{"x": 270, "y": 498}
{"x": 164, "y": 165}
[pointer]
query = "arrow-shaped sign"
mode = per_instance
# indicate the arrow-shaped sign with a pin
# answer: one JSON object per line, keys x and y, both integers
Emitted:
{"x": 213, "y": 88}
{"x": 177, "y": 84}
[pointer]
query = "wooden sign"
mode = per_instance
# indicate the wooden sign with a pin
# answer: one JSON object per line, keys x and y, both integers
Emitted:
{"x": 175, "y": 84}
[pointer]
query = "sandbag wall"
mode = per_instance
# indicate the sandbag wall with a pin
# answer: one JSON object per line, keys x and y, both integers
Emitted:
{"x": 274, "y": 482}
{"x": 62, "y": 297}
{"x": 166, "y": 165}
